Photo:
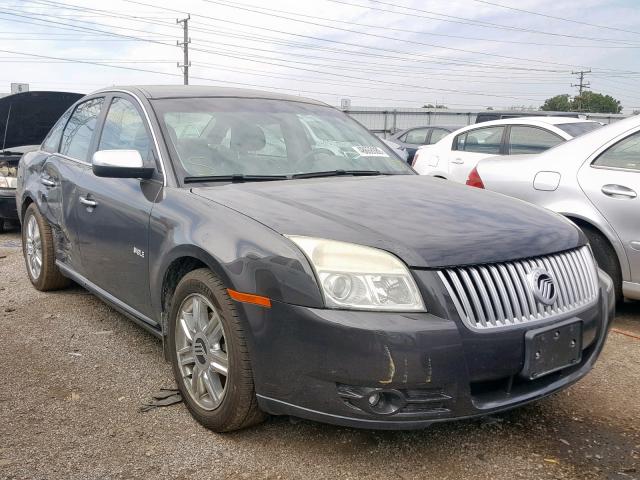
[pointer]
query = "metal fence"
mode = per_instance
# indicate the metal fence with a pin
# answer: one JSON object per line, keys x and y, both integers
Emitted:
{"x": 384, "y": 121}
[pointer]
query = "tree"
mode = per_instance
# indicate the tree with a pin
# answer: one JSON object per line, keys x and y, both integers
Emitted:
{"x": 596, "y": 102}
{"x": 559, "y": 103}
{"x": 587, "y": 102}
{"x": 430, "y": 105}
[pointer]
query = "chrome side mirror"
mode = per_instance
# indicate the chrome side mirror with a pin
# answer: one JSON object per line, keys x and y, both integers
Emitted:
{"x": 120, "y": 164}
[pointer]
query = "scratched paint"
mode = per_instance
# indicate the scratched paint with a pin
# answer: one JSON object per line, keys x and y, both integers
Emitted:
{"x": 391, "y": 369}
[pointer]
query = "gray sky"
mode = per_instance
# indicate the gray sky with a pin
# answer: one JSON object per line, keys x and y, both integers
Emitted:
{"x": 395, "y": 53}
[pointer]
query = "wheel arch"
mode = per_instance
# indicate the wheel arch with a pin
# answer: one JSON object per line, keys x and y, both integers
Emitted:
{"x": 181, "y": 261}
{"x": 26, "y": 201}
{"x": 581, "y": 222}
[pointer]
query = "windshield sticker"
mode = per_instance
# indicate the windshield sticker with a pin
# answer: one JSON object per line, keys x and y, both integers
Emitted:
{"x": 365, "y": 151}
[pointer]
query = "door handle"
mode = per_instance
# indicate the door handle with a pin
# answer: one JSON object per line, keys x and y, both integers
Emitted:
{"x": 457, "y": 161}
{"x": 47, "y": 183}
{"x": 618, "y": 191}
{"x": 88, "y": 202}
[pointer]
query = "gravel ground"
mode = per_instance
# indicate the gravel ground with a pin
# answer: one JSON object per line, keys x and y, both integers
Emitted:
{"x": 75, "y": 373}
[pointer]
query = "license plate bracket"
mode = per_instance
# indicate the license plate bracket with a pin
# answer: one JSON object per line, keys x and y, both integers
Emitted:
{"x": 552, "y": 348}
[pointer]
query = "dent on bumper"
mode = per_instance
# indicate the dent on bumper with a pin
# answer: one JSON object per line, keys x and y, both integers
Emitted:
{"x": 314, "y": 364}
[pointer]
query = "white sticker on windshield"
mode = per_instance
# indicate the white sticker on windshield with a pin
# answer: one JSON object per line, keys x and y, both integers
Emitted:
{"x": 365, "y": 151}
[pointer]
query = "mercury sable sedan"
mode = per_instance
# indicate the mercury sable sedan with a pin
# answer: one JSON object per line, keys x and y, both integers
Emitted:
{"x": 287, "y": 280}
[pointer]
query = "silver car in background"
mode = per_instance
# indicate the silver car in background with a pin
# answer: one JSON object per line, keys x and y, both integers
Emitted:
{"x": 594, "y": 180}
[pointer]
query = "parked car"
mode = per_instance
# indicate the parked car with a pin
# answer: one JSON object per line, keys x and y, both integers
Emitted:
{"x": 25, "y": 119}
{"x": 397, "y": 149}
{"x": 411, "y": 139}
{"x": 593, "y": 180}
{"x": 499, "y": 115}
{"x": 284, "y": 280}
{"x": 454, "y": 156}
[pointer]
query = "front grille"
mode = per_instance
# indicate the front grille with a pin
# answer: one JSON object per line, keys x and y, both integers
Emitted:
{"x": 501, "y": 295}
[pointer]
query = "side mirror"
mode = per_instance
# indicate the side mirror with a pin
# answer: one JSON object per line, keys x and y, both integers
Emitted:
{"x": 120, "y": 164}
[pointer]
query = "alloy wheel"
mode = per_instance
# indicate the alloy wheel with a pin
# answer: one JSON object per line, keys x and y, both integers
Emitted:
{"x": 202, "y": 351}
{"x": 34, "y": 248}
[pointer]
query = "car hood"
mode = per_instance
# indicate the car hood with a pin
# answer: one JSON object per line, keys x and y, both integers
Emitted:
{"x": 426, "y": 222}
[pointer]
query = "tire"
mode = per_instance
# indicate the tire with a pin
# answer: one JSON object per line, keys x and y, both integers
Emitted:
{"x": 48, "y": 277}
{"x": 1, "y": 225}
{"x": 235, "y": 407}
{"x": 606, "y": 258}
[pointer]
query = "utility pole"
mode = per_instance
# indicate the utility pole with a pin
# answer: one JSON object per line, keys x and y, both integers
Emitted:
{"x": 185, "y": 48}
{"x": 581, "y": 85}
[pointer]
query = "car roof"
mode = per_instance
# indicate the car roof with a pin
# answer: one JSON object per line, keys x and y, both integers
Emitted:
{"x": 590, "y": 141}
{"x": 531, "y": 121}
{"x": 450, "y": 128}
{"x": 199, "y": 91}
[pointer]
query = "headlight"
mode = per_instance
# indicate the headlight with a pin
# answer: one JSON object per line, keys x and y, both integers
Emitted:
{"x": 358, "y": 277}
{"x": 8, "y": 176}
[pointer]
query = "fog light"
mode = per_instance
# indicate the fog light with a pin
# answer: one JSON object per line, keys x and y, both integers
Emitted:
{"x": 374, "y": 399}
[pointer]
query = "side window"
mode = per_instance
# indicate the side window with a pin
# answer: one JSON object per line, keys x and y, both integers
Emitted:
{"x": 417, "y": 136}
{"x": 624, "y": 154}
{"x": 124, "y": 129}
{"x": 525, "y": 139}
{"x": 437, "y": 134}
{"x": 482, "y": 140}
{"x": 78, "y": 133}
{"x": 403, "y": 138}
{"x": 52, "y": 140}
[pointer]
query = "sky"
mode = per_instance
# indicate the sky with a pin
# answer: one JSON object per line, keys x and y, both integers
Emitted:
{"x": 465, "y": 54}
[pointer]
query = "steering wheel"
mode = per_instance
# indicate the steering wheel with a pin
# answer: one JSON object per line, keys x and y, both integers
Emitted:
{"x": 311, "y": 154}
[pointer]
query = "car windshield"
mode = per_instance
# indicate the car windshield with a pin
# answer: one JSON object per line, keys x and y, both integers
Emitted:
{"x": 256, "y": 138}
{"x": 578, "y": 128}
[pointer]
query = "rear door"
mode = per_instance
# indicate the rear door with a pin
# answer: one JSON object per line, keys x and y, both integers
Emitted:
{"x": 526, "y": 139}
{"x": 68, "y": 144}
{"x": 611, "y": 180}
{"x": 113, "y": 213}
{"x": 472, "y": 146}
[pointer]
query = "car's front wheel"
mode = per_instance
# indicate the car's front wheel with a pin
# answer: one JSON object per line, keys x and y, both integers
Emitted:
{"x": 210, "y": 355}
{"x": 39, "y": 252}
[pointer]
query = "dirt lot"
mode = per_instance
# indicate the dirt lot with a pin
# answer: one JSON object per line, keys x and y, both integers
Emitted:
{"x": 74, "y": 374}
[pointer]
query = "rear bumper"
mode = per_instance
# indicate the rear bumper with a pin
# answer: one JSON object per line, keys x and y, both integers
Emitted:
{"x": 8, "y": 210}
{"x": 323, "y": 365}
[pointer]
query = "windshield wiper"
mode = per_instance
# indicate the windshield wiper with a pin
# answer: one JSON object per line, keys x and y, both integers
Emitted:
{"x": 235, "y": 178}
{"x": 337, "y": 173}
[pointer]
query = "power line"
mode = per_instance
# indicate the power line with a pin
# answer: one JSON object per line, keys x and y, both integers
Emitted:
{"x": 368, "y": 34}
{"x": 468, "y": 21}
{"x": 607, "y": 27}
{"x": 404, "y": 30}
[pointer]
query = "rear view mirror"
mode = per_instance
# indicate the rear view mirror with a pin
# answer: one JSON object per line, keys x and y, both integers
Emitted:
{"x": 120, "y": 164}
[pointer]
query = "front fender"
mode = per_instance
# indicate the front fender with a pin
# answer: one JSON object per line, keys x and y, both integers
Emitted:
{"x": 246, "y": 255}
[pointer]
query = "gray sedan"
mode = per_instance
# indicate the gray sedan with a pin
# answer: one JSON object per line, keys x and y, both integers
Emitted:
{"x": 594, "y": 180}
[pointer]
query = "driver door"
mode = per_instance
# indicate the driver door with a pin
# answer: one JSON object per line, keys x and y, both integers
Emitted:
{"x": 472, "y": 146}
{"x": 113, "y": 213}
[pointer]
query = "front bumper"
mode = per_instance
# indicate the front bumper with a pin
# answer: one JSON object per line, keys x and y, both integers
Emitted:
{"x": 324, "y": 364}
{"x": 8, "y": 210}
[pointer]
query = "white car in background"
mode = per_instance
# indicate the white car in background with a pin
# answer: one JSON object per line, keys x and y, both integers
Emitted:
{"x": 454, "y": 156}
{"x": 594, "y": 181}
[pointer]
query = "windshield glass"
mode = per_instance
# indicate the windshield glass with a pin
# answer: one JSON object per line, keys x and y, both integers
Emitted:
{"x": 578, "y": 128}
{"x": 257, "y": 137}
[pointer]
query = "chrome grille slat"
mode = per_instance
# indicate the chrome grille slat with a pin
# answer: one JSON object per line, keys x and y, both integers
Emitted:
{"x": 500, "y": 295}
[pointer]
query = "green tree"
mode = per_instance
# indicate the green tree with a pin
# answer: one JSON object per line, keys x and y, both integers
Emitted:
{"x": 559, "y": 103}
{"x": 596, "y": 102}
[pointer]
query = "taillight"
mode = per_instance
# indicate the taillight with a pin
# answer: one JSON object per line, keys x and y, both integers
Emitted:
{"x": 415, "y": 158}
{"x": 474, "y": 179}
